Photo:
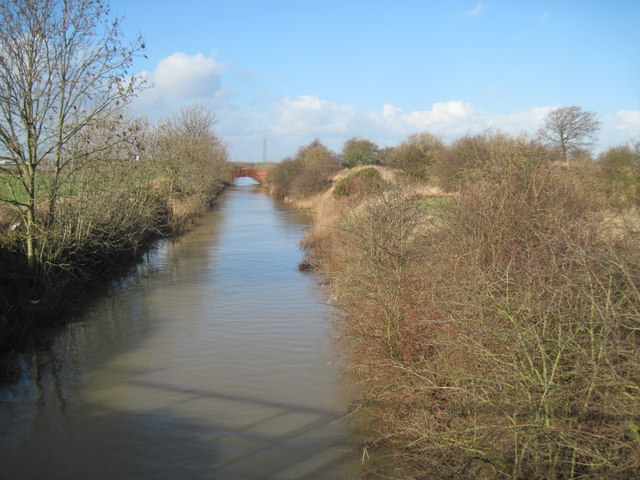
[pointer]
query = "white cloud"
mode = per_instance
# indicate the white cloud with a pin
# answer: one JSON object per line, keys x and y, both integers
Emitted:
{"x": 182, "y": 77}
{"x": 475, "y": 11}
{"x": 628, "y": 120}
{"x": 441, "y": 114}
{"x": 619, "y": 129}
{"x": 312, "y": 115}
{"x": 389, "y": 111}
{"x": 301, "y": 119}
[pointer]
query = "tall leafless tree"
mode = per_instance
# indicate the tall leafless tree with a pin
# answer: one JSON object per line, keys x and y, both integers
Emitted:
{"x": 570, "y": 129}
{"x": 189, "y": 153}
{"x": 64, "y": 66}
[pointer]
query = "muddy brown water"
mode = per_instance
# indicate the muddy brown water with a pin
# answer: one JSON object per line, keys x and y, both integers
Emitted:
{"x": 212, "y": 360}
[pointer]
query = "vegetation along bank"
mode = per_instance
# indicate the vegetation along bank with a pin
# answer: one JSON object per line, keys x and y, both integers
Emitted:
{"x": 83, "y": 185}
{"x": 488, "y": 299}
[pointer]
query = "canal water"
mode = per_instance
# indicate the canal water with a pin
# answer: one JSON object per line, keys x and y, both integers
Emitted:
{"x": 213, "y": 360}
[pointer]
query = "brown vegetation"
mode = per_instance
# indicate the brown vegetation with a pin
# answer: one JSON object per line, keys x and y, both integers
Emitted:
{"x": 494, "y": 335}
{"x": 307, "y": 173}
{"x": 415, "y": 156}
{"x": 620, "y": 167}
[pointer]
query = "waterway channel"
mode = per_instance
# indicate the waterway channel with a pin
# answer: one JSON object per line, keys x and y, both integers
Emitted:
{"x": 212, "y": 360}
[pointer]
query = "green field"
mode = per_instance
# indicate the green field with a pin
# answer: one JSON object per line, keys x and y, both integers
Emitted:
{"x": 10, "y": 186}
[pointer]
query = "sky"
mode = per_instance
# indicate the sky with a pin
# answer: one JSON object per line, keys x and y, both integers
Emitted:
{"x": 287, "y": 72}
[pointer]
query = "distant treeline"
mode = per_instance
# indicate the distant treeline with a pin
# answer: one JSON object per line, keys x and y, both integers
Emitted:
{"x": 566, "y": 138}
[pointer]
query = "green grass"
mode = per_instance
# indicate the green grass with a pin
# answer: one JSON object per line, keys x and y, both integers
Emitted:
{"x": 429, "y": 203}
{"x": 8, "y": 184}
{"x": 11, "y": 188}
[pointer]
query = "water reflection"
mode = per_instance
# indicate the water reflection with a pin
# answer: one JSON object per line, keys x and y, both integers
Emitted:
{"x": 212, "y": 360}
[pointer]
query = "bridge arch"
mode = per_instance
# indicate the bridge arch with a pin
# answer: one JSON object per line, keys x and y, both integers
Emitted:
{"x": 259, "y": 175}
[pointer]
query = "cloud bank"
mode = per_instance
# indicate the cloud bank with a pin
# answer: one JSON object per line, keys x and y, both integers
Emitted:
{"x": 312, "y": 116}
{"x": 307, "y": 117}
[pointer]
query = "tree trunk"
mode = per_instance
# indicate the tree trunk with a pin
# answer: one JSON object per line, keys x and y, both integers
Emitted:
{"x": 31, "y": 241}
{"x": 31, "y": 217}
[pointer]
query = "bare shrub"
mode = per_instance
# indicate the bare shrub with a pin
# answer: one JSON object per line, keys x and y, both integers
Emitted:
{"x": 282, "y": 175}
{"x": 363, "y": 181}
{"x": 620, "y": 169}
{"x": 475, "y": 156}
{"x": 415, "y": 156}
{"x": 306, "y": 174}
{"x": 308, "y": 182}
{"x": 111, "y": 211}
{"x": 379, "y": 283}
{"x": 500, "y": 339}
{"x": 531, "y": 286}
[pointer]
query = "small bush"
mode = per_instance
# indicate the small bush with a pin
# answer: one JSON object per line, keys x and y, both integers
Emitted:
{"x": 620, "y": 170}
{"x": 358, "y": 151}
{"x": 475, "y": 156}
{"x": 415, "y": 156}
{"x": 366, "y": 180}
{"x": 309, "y": 182}
{"x": 281, "y": 176}
{"x": 306, "y": 174}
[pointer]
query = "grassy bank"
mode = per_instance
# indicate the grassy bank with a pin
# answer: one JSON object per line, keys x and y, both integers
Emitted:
{"x": 493, "y": 330}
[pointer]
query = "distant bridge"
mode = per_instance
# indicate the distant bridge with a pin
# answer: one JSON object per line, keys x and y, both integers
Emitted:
{"x": 257, "y": 174}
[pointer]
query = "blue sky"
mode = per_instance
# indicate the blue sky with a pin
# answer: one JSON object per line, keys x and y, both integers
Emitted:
{"x": 289, "y": 72}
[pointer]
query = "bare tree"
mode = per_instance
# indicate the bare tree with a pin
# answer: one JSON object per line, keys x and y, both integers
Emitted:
{"x": 188, "y": 152}
{"x": 63, "y": 67}
{"x": 570, "y": 129}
